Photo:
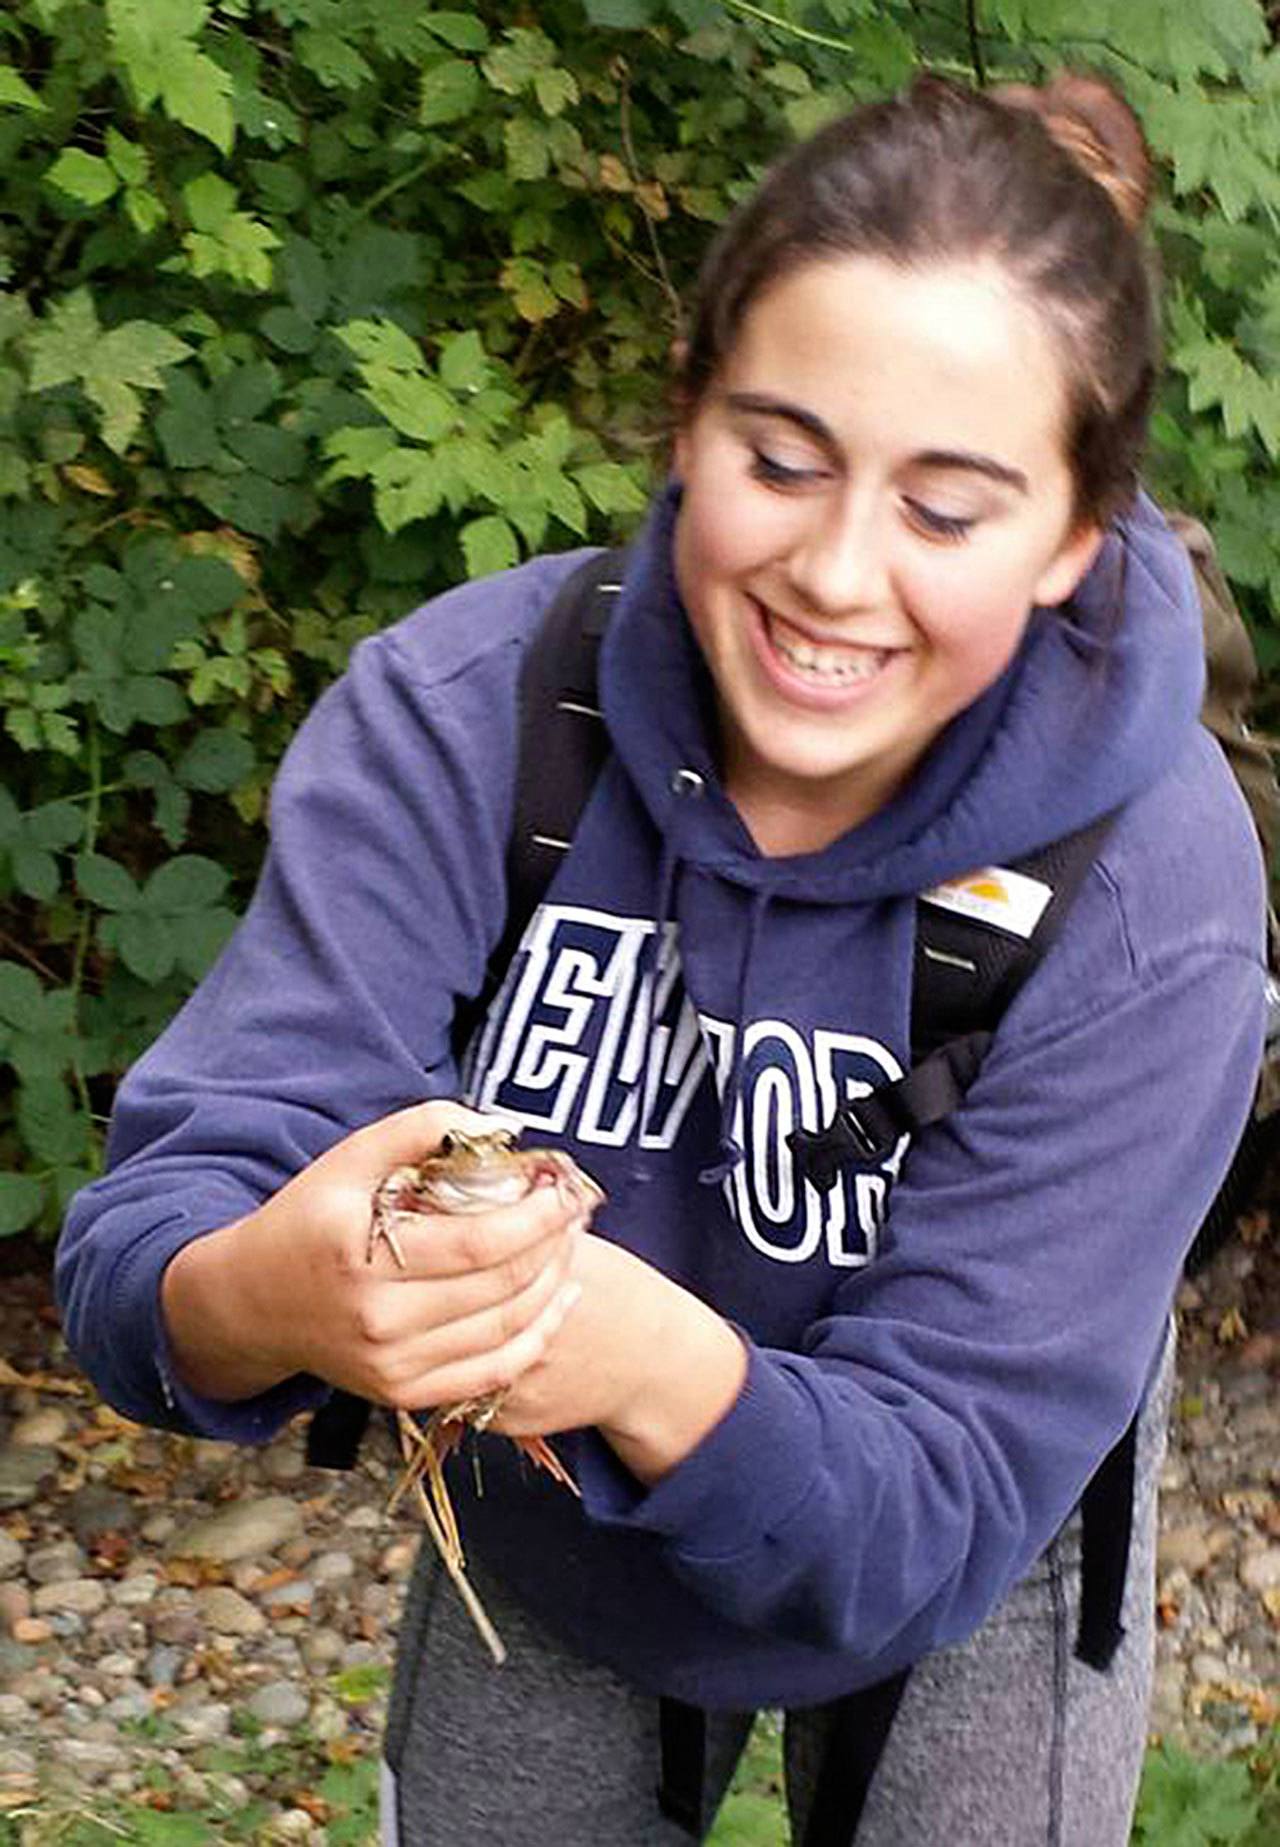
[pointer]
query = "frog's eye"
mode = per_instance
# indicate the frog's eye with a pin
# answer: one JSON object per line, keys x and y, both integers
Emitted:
{"x": 449, "y": 1142}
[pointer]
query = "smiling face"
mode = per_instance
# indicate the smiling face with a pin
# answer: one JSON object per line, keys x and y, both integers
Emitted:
{"x": 876, "y": 493}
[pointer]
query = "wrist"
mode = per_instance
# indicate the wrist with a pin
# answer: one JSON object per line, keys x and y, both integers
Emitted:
{"x": 222, "y": 1347}
{"x": 702, "y": 1375}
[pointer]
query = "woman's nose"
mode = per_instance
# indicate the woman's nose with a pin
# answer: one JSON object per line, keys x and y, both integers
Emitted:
{"x": 840, "y": 561}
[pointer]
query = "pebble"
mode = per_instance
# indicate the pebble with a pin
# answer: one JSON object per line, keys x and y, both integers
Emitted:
{"x": 228, "y": 1613}
{"x": 281, "y": 1702}
{"x": 1260, "y": 1571}
{"x": 22, "y": 1471}
{"x": 79, "y": 1596}
{"x": 40, "y": 1429}
{"x": 54, "y": 1563}
{"x": 245, "y": 1529}
{"x": 11, "y": 1555}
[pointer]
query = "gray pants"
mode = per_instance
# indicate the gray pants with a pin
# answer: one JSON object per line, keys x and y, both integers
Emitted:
{"x": 1004, "y": 1741}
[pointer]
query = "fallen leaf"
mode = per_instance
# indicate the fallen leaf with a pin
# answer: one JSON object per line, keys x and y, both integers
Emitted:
{"x": 43, "y": 1381}
{"x": 88, "y": 480}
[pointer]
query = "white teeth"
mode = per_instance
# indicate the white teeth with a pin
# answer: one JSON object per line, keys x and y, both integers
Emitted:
{"x": 834, "y": 666}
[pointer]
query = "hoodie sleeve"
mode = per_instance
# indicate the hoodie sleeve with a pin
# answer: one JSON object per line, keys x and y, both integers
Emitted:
{"x": 880, "y": 1490}
{"x": 382, "y": 894}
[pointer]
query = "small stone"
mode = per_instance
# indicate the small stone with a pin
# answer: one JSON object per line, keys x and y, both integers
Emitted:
{"x": 332, "y": 1567}
{"x": 279, "y": 1703}
{"x": 128, "y": 1707}
{"x": 137, "y": 1591}
{"x": 294, "y": 1825}
{"x": 56, "y": 1563}
{"x": 15, "y": 1603}
{"x": 75, "y": 1596}
{"x": 162, "y": 1664}
{"x": 211, "y": 1457}
{"x": 321, "y": 1649}
{"x": 296, "y": 1596}
{"x": 296, "y": 1552}
{"x": 157, "y": 1528}
{"x": 1209, "y": 1670}
{"x": 93, "y": 1511}
{"x": 228, "y": 1613}
{"x": 242, "y": 1530}
{"x": 40, "y": 1429}
{"x": 1260, "y": 1571}
{"x": 116, "y": 1667}
{"x": 11, "y": 1555}
{"x": 283, "y": 1463}
{"x": 1183, "y": 1547}
{"x": 31, "y": 1630}
{"x": 364, "y": 1519}
{"x": 22, "y": 1470}
{"x": 397, "y": 1560}
{"x": 203, "y": 1724}
{"x": 14, "y": 1714}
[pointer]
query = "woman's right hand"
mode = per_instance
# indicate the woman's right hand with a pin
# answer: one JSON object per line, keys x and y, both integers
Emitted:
{"x": 290, "y": 1287}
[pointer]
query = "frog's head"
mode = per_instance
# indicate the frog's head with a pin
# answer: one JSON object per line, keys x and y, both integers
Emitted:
{"x": 464, "y": 1152}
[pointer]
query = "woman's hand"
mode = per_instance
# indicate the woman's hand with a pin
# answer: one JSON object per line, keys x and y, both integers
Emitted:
{"x": 290, "y": 1288}
{"x": 645, "y": 1361}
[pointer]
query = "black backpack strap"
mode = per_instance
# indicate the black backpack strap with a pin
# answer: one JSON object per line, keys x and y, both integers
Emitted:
{"x": 561, "y": 749}
{"x": 967, "y": 970}
{"x": 682, "y": 1745}
{"x": 860, "y": 1726}
{"x": 1106, "y": 1531}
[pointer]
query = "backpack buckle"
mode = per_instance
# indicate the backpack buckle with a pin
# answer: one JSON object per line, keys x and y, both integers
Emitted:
{"x": 852, "y": 1135}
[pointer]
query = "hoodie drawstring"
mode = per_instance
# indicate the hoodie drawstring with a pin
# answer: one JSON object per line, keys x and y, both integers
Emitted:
{"x": 730, "y": 1149}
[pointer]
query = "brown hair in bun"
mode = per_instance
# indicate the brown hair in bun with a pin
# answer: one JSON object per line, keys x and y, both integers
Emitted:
{"x": 1089, "y": 121}
{"x": 1051, "y": 184}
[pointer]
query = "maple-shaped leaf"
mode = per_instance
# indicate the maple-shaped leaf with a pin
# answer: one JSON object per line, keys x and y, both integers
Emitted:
{"x": 111, "y": 366}
{"x": 154, "y": 42}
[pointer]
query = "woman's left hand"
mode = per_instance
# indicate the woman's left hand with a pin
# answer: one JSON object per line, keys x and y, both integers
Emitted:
{"x": 640, "y": 1358}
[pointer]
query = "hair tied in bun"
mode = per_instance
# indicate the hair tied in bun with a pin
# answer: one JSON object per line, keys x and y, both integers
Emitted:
{"x": 1090, "y": 121}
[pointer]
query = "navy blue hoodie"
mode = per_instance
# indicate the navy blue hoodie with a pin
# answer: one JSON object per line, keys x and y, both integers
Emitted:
{"x": 943, "y": 1347}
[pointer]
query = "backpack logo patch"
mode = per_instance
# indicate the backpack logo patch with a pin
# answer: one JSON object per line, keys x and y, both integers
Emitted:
{"x": 995, "y": 895}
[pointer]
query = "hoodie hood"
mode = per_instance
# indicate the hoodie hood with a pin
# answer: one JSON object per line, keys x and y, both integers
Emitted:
{"x": 1093, "y": 708}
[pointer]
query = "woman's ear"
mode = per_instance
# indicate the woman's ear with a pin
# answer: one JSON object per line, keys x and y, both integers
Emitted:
{"x": 1069, "y": 564}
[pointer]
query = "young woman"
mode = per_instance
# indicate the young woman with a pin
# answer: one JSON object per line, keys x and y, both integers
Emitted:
{"x": 901, "y": 614}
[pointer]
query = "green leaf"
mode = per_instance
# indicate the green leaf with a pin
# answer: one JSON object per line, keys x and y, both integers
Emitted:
{"x": 526, "y": 283}
{"x": 106, "y": 883}
{"x": 55, "y": 824}
{"x": 22, "y": 999}
{"x": 186, "y": 425}
{"x": 199, "y": 937}
{"x": 127, "y": 158}
{"x": 412, "y": 403}
{"x": 144, "y": 942}
{"x": 188, "y": 883}
{"x": 464, "y": 364}
{"x": 463, "y": 31}
{"x": 528, "y": 149}
{"x": 333, "y": 59}
{"x": 449, "y": 92}
{"x": 555, "y": 90}
{"x": 216, "y": 761}
{"x": 609, "y": 488}
{"x": 83, "y": 176}
{"x": 35, "y": 873}
{"x": 153, "y": 40}
{"x": 15, "y": 91}
{"x": 622, "y": 15}
{"x": 56, "y": 1133}
{"x": 21, "y": 1202}
{"x": 489, "y": 545}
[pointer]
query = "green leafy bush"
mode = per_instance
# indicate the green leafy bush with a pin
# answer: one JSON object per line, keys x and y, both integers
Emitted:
{"x": 311, "y": 307}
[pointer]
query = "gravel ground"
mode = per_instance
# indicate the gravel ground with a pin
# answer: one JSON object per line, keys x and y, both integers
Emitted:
{"x": 161, "y": 1598}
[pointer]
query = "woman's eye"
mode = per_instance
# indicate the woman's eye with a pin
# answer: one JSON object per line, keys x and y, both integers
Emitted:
{"x": 773, "y": 473}
{"x": 939, "y": 525}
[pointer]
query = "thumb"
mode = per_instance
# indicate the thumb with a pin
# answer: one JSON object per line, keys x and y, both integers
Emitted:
{"x": 404, "y": 1137}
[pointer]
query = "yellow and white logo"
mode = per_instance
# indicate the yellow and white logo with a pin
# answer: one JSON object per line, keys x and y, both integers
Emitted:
{"x": 994, "y": 895}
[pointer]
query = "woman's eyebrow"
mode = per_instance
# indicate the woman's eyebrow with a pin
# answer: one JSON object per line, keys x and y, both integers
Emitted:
{"x": 759, "y": 404}
{"x": 974, "y": 464}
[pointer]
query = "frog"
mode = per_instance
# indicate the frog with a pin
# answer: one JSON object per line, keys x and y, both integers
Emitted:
{"x": 468, "y": 1172}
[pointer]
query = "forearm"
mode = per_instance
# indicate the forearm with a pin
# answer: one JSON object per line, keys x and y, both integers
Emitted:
{"x": 220, "y": 1345}
{"x": 701, "y": 1365}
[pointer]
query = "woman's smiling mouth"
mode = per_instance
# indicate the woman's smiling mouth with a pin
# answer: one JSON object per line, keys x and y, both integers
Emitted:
{"x": 832, "y": 665}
